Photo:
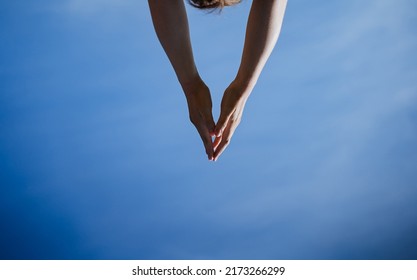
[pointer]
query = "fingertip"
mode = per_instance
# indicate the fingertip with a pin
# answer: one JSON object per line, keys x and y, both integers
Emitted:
{"x": 217, "y": 132}
{"x": 212, "y": 131}
{"x": 210, "y": 153}
{"x": 216, "y": 157}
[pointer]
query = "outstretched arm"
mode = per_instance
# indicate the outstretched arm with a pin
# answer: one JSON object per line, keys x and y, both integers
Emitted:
{"x": 262, "y": 31}
{"x": 171, "y": 26}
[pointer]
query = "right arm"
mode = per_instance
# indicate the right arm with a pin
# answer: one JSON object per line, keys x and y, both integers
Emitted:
{"x": 262, "y": 31}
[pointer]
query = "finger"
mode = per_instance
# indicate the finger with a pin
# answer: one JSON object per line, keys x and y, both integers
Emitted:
{"x": 221, "y": 123}
{"x": 225, "y": 141}
{"x": 216, "y": 143}
{"x": 207, "y": 141}
{"x": 220, "y": 149}
{"x": 210, "y": 122}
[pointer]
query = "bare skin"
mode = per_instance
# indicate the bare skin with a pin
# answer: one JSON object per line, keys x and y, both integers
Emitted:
{"x": 262, "y": 31}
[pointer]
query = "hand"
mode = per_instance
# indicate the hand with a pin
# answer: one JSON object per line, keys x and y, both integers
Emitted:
{"x": 199, "y": 108}
{"x": 233, "y": 103}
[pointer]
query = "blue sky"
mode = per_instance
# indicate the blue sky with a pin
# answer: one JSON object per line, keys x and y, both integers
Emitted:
{"x": 99, "y": 161}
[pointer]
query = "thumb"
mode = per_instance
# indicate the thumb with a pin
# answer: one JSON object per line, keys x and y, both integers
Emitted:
{"x": 221, "y": 123}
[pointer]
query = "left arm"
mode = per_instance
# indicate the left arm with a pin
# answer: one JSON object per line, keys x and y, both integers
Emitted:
{"x": 171, "y": 25}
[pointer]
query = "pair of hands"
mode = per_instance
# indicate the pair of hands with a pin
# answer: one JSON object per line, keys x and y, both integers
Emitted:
{"x": 215, "y": 136}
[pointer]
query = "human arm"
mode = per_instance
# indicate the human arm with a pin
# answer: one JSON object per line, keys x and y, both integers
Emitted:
{"x": 171, "y": 26}
{"x": 262, "y": 31}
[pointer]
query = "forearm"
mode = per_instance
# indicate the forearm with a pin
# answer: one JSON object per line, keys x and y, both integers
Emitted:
{"x": 171, "y": 26}
{"x": 262, "y": 31}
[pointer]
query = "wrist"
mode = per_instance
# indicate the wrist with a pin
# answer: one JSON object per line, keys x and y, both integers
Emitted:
{"x": 192, "y": 85}
{"x": 242, "y": 87}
